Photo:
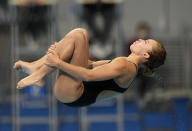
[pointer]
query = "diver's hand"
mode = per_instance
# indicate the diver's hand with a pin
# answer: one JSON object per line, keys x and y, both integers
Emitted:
{"x": 52, "y": 58}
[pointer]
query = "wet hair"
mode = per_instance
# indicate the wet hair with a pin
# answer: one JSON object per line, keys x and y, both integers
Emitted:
{"x": 157, "y": 57}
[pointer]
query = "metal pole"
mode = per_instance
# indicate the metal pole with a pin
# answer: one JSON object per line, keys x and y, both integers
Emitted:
{"x": 120, "y": 110}
{"x": 14, "y": 76}
{"x": 13, "y": 81}
{"x": 52, "y": 101}
{"x": 17, "y": 76}
{"x": 83, "y": 119}
{"x": 119, "y": 52}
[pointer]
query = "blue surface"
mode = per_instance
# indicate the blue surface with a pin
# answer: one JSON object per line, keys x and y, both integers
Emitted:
{"x": 5, "y": 127}
{"x": 5, "y": 109}
{"x": 159, "y": 120}
{"x": 155, "y": 120}
{"x": 190, "y": 120}
{"x": 181, "y": 114}
{"x": 35, "y": 127}
{"x": 131, "y": 107}
{"x": 132, "y": 126}
{"x": 110, "y": 126}
{"x": 101, "y": 110}
{"x": 69, "y": 126}
{"x": 34, "y": 112}
{"x": 64, "y": 110}
{"x": 105, "y": 107}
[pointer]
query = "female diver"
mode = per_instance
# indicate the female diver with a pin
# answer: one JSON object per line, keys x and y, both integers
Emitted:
{"x": 80, "y": 81}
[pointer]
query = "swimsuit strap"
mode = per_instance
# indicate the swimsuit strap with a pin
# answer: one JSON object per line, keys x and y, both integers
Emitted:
{"x": 133, "y": 63}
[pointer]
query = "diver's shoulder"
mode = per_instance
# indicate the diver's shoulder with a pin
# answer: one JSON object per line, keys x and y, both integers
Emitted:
{"x": 121, "y": 61}
{"x": 126, "y": 64}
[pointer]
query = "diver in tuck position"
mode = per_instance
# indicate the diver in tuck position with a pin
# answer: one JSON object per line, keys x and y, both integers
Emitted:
{"x": 80, "y": 81}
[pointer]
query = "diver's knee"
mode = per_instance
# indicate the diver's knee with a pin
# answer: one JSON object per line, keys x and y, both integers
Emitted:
{"x": 82, "y": 31}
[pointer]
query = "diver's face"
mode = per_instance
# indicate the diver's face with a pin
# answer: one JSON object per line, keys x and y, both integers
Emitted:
{"x": 142, "y": 47}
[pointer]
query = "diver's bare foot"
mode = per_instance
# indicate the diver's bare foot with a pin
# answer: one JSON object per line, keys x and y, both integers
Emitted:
{"x": 29, "y": 69}
{"x": 24, "y": 66}
{"x": 33, "y": 79}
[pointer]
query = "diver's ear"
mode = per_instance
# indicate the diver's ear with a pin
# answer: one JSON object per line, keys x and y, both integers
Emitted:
{"x": 146, "y": 55}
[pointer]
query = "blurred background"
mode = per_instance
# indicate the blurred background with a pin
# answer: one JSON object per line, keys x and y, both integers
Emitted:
{"x": 162, "y": 102}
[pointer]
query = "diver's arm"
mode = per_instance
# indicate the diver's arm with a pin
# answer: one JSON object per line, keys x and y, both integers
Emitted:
{"x": 93, "y": 64}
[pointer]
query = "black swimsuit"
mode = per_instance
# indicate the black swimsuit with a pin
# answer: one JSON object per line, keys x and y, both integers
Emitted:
{"x": 92, "y": 90}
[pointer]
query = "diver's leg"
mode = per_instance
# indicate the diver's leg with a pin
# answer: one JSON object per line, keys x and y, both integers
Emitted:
{"x": 64, "y": 48}
{"x": 67, "y": 88}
